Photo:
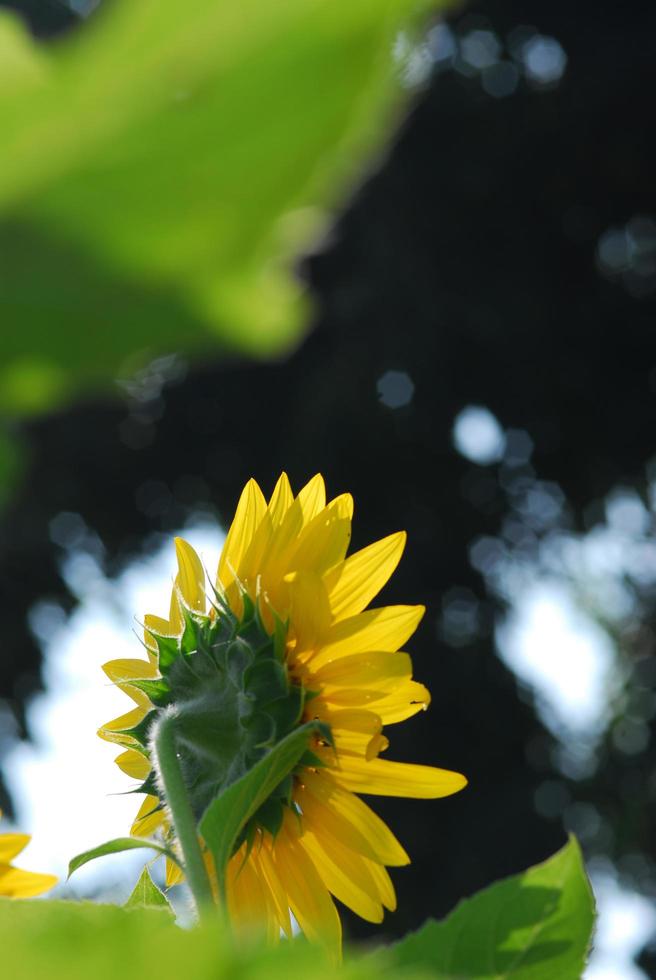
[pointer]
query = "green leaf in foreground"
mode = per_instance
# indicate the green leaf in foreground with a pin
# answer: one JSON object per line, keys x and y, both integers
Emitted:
{"x": 228, "y": 813}
{"x": 162, "y": 167}
{"x": 533, "y": 926}
{"x": 147, "y": 895}
{"x": 115, "y": 847}
{"x": 57, "y": 940}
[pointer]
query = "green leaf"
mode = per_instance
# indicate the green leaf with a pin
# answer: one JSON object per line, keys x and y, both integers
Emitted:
{"x": 115, "y": 847}
{"x": 163, "y": 166}
{"x": 229, "y": 812}
{"x": 533, "y": 926}
{"x": 146, "y": 894}
{"x": 61, "y": 940}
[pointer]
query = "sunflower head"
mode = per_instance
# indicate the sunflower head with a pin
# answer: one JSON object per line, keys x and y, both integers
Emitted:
{"x": 284, "y": 640}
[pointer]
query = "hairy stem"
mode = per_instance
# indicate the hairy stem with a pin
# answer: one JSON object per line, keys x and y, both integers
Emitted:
{"x": 168, "y": 767}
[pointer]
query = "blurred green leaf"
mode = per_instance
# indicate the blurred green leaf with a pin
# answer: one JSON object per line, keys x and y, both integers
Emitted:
{"x": 147, "y": 895}
{"x": 162, "y": 167}
{"x": 534, "y": 926}
{"x": 81, "y": 940}
{"x": 116, "y": 846}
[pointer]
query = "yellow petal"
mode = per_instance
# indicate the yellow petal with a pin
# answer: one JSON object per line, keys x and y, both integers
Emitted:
{"x": 384, "y": 885}
{"x": 348, "y": 719}
{"x": 284, "y": 540}
{"x": 249, "y": 905}
{"x": 114, "y": 731}
{"x": 343, "y": 873}
{"x": 250, "y": 567}
{"x": 129, "y": 670}
{"x": 268, "y": 871}
{"x": 121, "y": 672}
{"x": 324, "y": 541}
{"x": 349, "y": 819}
{"x": 174, "y": 874}
{"x": 309, "y": 610}
{"x": 15, "y": 883}
{"x": 309, "y": 899}
{"x": 157, "y": 625}
{"x": 312, "y": 498}
{"x": 354, "y": 583}
{"x": 11, "y": 845}
{"x": 133, "y": 764}
{"x": 149, "y": 818}
{"x": 248, "y": 516}
{"x": 191, "y": 576}
{"x": 384, "y": 629}
{"x": 404, "y": 702}
{"x": 281, "y": 500}
{"x": 176, "y": 621}
{"x": 380, "y": 670}
{"x": 384, "y": 778}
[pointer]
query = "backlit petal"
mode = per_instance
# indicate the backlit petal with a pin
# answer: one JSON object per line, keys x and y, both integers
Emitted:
{"x": 352, "y": 585}
{"x": 309, "y": 898}
{"x": 349, "y": 819}
{"x": 250, "y": 511}
{"x": 324, "y": 540}
{"x": 384, "y": 629}
{"x": 191, "y": 576}
{"x": 381, "y": 777}
{"x": 133, "y": 764}
{"x": 343, "y": 872}
{"x": 281, "y": 500}
{"x": 149, "y": 818}
{"x": 312, "y": 497}
{"x": 381, "y": 670}
{"x": 11, "y": 845}
{"x": 15, "y": 883}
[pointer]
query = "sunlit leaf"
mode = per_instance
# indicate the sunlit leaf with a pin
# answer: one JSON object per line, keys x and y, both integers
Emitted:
{"x": 533, "y": 926}
{"x": 146, "y": 894}
{"x": 115, "y": 847}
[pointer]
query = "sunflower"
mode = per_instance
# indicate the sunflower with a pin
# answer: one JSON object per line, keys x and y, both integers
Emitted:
{"x": 287, "y": 639}
{"x": 14, "y": 882}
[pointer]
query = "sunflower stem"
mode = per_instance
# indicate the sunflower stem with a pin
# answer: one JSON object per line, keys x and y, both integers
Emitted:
{"x": 184, "y": 822}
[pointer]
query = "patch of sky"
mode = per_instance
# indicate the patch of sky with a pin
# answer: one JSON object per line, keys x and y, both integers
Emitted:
{"x": 69, "y": 794}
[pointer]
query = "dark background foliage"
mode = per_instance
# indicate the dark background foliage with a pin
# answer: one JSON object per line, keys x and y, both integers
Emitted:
{"x": 470, "y": 261}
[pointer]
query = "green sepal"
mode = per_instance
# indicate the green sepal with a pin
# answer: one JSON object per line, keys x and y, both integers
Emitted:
{"x": 287, "y": 711}
{"x": 270, "y": 816}
{"x": 266, "y": 680}
{"x": 116, "y": 846}
{"x": 280, "y": 630}
{"x": 141, "y": 732}
{"x": 193, "y": 628}
{"x": 147, "y": 895}
{"x": 168, "y": 650}
{"x": 149, "y": 785}
{"x": 262, "y": 730}
{"x": 158, "y": 691}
